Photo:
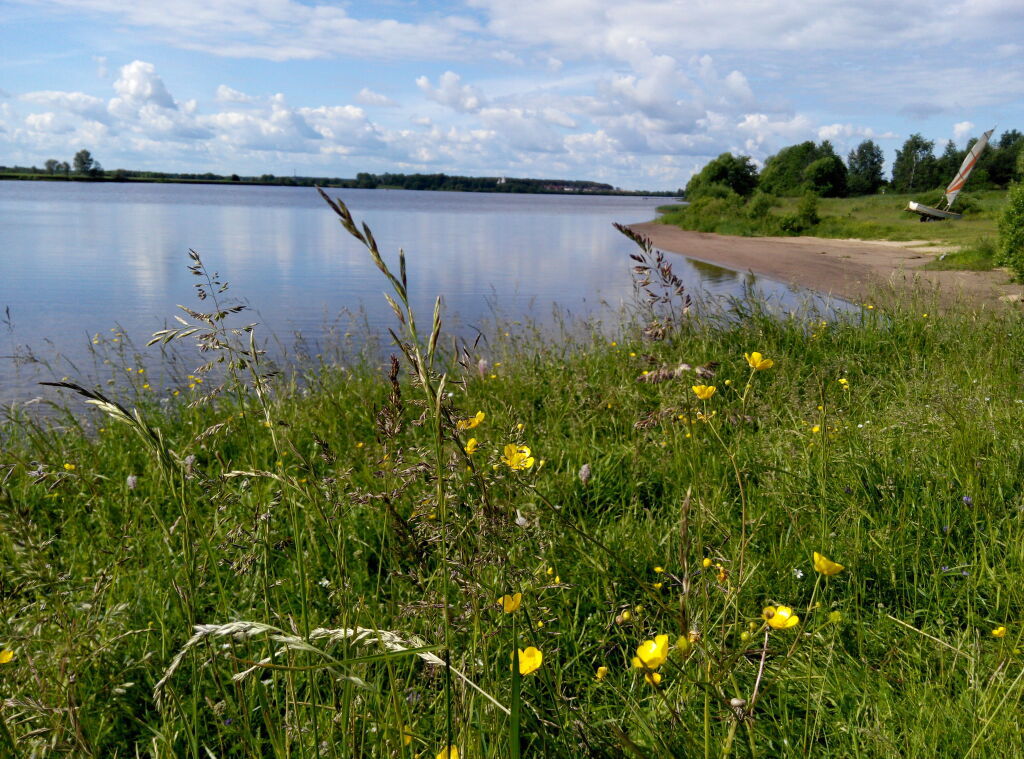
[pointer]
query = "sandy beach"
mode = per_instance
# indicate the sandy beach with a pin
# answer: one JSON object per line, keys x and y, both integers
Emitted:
{"x": 850, "y": 269}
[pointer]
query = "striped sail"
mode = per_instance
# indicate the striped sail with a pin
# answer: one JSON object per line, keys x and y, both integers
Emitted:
{"x": 966, "y": 168}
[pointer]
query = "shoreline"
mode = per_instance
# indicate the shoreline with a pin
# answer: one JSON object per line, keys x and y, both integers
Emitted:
{"x": 850, "y": 269}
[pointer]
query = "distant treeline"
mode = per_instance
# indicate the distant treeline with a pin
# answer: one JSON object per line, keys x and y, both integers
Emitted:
{"x": 817, "y": 169}
{"x": 85, "y": 169}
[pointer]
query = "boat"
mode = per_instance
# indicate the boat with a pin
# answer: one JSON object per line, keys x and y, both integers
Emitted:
{"x": 927, "y": 213}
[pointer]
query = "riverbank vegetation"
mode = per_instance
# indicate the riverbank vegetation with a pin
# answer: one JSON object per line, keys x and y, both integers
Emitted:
{"x": 806, "y": 189}
{"x": 713, "y": 533}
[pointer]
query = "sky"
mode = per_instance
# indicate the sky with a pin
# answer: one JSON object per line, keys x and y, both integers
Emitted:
{"x": 636, "y": 93}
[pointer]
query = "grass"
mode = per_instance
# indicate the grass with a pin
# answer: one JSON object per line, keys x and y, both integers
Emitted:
{"x": 312, "y": 566}
{"x": 874, "y": 217}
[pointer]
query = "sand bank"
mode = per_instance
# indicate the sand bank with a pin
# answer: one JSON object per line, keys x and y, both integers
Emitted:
{"x": 850, "y": 269}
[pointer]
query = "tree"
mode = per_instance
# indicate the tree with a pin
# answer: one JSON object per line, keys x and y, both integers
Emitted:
{"x": 948, "y": 164}
{"x": 784, "y": 173}
{"x": 737, "y": 173}
{"x": 1000, "y": 158}
{"x": 826, "y": 177}
{"x": 915, "y": 165}
{"x": 52, "y": 165}
{"x": 83, "y": 162}
{"x": 65, "y": 168}
{"x": 1011, "y": 232}
{"x": 864, "y": 169}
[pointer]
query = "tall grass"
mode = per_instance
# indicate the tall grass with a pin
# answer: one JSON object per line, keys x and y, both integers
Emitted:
{"x": 318, "y": 568}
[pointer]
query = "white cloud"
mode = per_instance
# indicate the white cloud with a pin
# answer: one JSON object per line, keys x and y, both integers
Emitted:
{"x": 962, "y": 130}
{"x": 74, "y": 102}
{"x": 451, "y": 92}
{"x": 227, "y": 94}
{"x": 367, "y": 96}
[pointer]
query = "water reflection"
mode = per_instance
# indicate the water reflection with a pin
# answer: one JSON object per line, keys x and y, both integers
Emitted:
{"x": 81, "y": 258}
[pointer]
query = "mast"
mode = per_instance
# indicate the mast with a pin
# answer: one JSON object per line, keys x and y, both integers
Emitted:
{"x": 966, "y": 168}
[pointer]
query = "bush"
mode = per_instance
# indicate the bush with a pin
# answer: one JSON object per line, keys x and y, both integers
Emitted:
{"x": 735, "y": 173}
{"x": 807, "y": 209}
{"x": 759, "y": 205}
{"x": 1011, "y": 232}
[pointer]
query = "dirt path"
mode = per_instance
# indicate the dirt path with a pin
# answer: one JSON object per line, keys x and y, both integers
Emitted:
{"x": 850, "y": 269}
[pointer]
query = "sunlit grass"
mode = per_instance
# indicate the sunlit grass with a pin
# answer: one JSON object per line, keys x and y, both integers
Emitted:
{"x": 325, "y": 567}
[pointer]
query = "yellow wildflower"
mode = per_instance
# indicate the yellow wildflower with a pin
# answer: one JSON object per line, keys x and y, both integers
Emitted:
{"x": 406, "y": 735}
{"x": 657, "y": 585}
{"x": 704, "y": 392}
{"x": 471, "y": 446}
{"x": 601, "y": 673}
{"x": 706, "y": 563}
{"x": 816, "y": 429}
{"x": 780, "y": 617}
{"x": 448, "y": 753}
{"x": 999, "y": 632}
{"x": 653, "y": 678}
{"x": 826, "y": 566}
{"x": 651, "y": 654}
{"x": 473, "y": 421}
{"x": 530, "y": 660}
{"x": 845, "y": 383}
{"x": 70, "y": 467}
{"x": 517, "y": 456}
{"x": 7, "y": 654}
{"x": 758, "y": 362}
{"x": 659, "y": 570}
{"x": 510, "y": 603}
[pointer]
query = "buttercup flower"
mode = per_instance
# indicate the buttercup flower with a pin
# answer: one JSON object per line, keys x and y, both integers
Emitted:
{"x": 471, "y": 446}
{"x": 517, "y": 456}
{"x": 7, "y": 654}
{"x": 653, "y": 678}
{"x": 780, "y": 617}
{"x": 601, "y": 673}
{"x": 529, "y": 660}
{"x": 758, "y": 362}
{"x": 473, "y": 421}
{"x": 999, "y": 632}
{"x": 510, "y": 603}
{"x": 448, "y": 753}
{"x": 651, "y": 654}
{"x": 704, "y": 392}
{"x": 826, "y": 566}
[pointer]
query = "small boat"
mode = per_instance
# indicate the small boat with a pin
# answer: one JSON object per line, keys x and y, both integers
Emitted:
{"x": 927, "y": 213}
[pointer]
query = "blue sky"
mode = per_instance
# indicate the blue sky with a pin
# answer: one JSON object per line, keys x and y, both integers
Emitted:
{"x": 637, "y": 93}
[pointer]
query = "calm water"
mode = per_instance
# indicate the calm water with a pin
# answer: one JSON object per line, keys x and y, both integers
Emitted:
{"x": 79, "y": 259}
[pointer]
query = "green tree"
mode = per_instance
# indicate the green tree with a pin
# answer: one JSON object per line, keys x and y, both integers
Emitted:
{"x": 737, "y": 173}
{"x": 864, "y": 169}
{"x": 1011, "y": 232}
{"x": 52, "y": 165}
{"x": 915, "y": 165}
{"x": 947, "y": 164}
{"x": 826, "y": 177}
{"x": 83, "y": 162}
{"x": 1000, "y": 158}
{"x": 784, "y": 173}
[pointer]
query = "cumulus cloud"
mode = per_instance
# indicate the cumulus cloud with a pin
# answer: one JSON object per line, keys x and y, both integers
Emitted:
{"x": 962, "y": 130}
{"x": 367, "y": 96}
{"x": 451, "y": 92}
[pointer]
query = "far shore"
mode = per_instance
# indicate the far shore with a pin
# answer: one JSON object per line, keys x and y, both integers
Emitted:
{"x": 849, "y": 269}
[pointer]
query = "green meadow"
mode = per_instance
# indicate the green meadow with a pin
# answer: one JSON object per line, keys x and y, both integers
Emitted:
{"x": 871, "y": 217}
{"x": 599, "y": 543}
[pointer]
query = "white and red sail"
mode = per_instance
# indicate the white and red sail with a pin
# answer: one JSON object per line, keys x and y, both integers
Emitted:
{"x": 966, "y": 168}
